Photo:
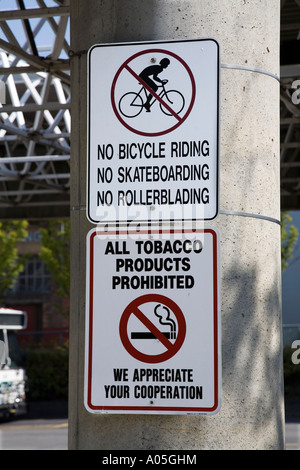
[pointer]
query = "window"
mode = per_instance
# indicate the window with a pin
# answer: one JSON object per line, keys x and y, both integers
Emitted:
{"x": 35, "y": 279}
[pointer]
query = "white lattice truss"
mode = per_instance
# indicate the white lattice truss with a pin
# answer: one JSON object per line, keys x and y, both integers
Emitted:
{"x": 35, "y": 120}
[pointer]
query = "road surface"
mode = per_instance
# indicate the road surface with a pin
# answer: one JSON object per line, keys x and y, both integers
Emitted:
{"x": 34, "y": 434}
{"x": 52, "y": 434}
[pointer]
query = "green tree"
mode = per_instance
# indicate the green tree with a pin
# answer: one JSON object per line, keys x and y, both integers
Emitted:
{"x": 11, "y": 233}
{"x": 55, "y": 252}
{"x": 289, "y": 237}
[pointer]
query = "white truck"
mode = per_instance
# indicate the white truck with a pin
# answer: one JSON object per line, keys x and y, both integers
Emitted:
{"x": 12, "y": 372}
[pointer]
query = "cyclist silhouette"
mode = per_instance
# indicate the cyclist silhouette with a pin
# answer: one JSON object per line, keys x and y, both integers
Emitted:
{"x": 153, "y": 70}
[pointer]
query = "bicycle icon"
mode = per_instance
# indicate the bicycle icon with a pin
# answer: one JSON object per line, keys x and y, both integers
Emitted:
{"x": 137, "y": 88}
{"x": 171, "y": 102}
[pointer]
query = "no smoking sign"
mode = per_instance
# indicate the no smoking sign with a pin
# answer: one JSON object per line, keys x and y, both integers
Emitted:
{"x": 153, "y": 322}
{"x": 168, "y": 317}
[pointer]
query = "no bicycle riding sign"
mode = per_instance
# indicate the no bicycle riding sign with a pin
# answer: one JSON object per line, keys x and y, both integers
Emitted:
{"x": 152, "y": 322}
{"x": 153, "y": 131}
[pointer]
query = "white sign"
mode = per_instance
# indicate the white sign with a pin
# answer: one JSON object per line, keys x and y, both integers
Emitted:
{"x": 152, "y": 322}
{"x": 153, "y": 131}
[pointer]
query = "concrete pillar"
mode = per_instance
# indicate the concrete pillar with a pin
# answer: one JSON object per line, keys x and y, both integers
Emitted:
{"x": 251, "y": 415}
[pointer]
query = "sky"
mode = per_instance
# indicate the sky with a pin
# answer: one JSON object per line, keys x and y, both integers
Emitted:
{"x": 45, "y": 37}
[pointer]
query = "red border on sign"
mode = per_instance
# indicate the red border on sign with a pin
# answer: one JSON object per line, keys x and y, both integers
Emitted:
{"x": 133, "y": 309}
{"x": 216, "y": 404}
{"x": 125, "y": 66}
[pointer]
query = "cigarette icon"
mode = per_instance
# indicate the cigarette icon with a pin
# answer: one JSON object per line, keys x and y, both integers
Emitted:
{"x": 163, "y": 314}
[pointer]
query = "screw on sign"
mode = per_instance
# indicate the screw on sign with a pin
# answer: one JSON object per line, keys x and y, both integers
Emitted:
{"x": 161, "y": 319}
{"x": 146, "y": 87}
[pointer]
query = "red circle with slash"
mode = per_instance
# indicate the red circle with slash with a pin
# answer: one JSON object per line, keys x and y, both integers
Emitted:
{"x": 127, "y": 66}
{"x": 133, "y": 309}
